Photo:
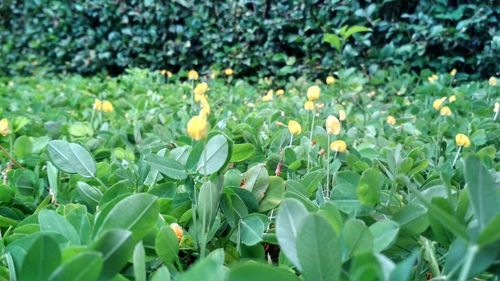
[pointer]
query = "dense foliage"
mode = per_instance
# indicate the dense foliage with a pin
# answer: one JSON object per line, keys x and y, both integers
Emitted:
{"x": 279, "y": 38}
{"x": 103, "y": 181}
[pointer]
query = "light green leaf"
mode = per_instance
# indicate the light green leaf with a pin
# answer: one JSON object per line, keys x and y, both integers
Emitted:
{"x": 71, "y": 158}
{"x": 214, "y": 156}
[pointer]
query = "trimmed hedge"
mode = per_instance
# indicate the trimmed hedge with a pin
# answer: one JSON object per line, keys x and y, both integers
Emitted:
{"x": 265, "y": 37}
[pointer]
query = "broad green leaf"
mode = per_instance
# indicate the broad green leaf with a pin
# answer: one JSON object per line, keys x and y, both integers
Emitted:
{"x": 137, "y": 213}
{"x": 52, "y": 177}
{"x": 154, "y": 173}
{"x": 403, "y": 270}
{"x": 210, "y": 268}
{"x": 214, "y": 156}
{"x": 208, "y": 204}
{"x": 333, "y": 40}
{"x": 356, "y": 237}
{"x": 312, "y": 180}
{"x": 242, "y": 152}
{"x": 72, "y": 158}
{"x": 318, "y": 249}
{"x": 23, "y": 147}
{"x": 90, "y": 195}
{"x": 42, "y": 258}
{"x": 355, "y": 29}
{"x": 252, "y": 229}
{"x": 50, "y": 221}
{"x": 369, "y": 185}
{"x": 482, "y": 192}
{"x": 166, "y": 245}
{"x": 139, "y": 261}
{"x": 252, "y": 271}
{"x": 291, "y": 215}
{"x": 256, "y": 180}
{"x": 162, "y": 274}
{"x": 384, "y": 234}
{"x": 86, "y": 266}
{"x": 273, "y": 195}
{"x": 412, "y": 218}
{"x": 116, "y": 247}
{"x": 166, "y": 166}
{"x": 490, "y": 233}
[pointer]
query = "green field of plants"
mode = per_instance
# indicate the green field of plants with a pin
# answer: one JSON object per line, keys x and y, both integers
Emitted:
{"x": 154, "y": 175}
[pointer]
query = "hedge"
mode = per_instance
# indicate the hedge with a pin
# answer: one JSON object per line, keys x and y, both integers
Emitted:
{"x": 264, "y": 37}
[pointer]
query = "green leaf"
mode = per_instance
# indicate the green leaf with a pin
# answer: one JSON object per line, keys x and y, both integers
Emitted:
{"x": 357, "y": 237}
{"x": 333, "y": 40}
{"x": 482, "y": 191}
{"x": 86, "y": 266}
{"x": 403, "y": 270}
{"x": 166, "y": 245}
{"x": 253, "y": 227}
{"x": 41, "y": 259}
{"x": 166, "y": 166}
{"x": 384, "y": 234}
{"x": 162, "y": 274}
{"x": 52, "y": 177}
{"x": 291, "y": 215}
{"x": 116, "y": 247}
{"x": 412, "y": 218}
{"x": 208, "y": 204}
{"x": 312, "y": 180}
{"x": 210, "y": 268}
{"x": 242, "y": 152}
{"x": 355, "y": 29}
{"x": 137, "y": 213}
{"x": 256, "y": 180}
{"x": 71, "y": 158}
{"x": 370, "y": 183}
{"x": 90, "y": 195}
{"x": 251, "y": 271}
{"x": 23, "y": 146}
{"x": 273, "y": 195}
{"x": 318, "y": 249}
{"x": 50, "y": 221}
{"x": 491, "y": 233}
{"x": 214, "y": 156}
{"x": 139, "y": 260}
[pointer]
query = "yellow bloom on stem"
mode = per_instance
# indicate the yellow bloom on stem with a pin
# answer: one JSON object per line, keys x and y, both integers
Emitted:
{"x": 294, "y": 127}
{"x": 166, "y": 73}
{"x": 332, "y": 125}
{"x": 177, "y": 230}
{"x": 330, "y": 80}
{"x": 4, "y": 127}
{"x": 97, "y": 105}
{"x": 445, "y": 111}
{"x": 309, "y": 105}
{"x": 280, "y": 92}
{"x": 437, "y": 104}
{"x": 453, "y": 72}
{"x": 492, "y": 81}
{"x": 496, "y": 108}
{"x": 391, "y": 120}
{"x": 268, "y": 96}
{"x": 107, "y": 106}
{"x": 228, "y": 71}
{"x": 197, "y": 127}
{"x": 338, "y": 146}
{"x": 462, "y": 140}
{"x": 205, "y": 106}
{"x": 199, "y": 91}
{"x": 452, "y": 98}
{"x": 193, "y": 75}
{"x": 433, "y": 78}
{"x": 342, "y": 115}
{"x": 313, "y": 93}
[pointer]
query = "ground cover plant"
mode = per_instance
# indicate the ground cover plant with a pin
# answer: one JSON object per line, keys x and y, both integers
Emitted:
{"x": 202, "y": 176}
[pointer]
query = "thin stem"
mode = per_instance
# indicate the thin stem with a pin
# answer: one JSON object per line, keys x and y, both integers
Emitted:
{"x": 456, "y": 157}
{"x": 495, "y": 117}
{"x": 192, "y": 96}
{"x": 328, "y": 168}
{"x": 438, "y": 141}
{"x": 469, "y": 258}
{"x": 291, "y": 140}
{"x": 310, "y": 142}
{"x": 92, "y": 118}
{"x": 101, "y": 183}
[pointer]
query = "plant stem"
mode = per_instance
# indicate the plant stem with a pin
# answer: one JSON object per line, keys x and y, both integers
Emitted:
{"x": 291, "y": 140}
{"x": 469, "y": 258}
{"x": 310, "y": 142}
{"x": 101, "y": 183}
{"x": 328, "y": 168}
{"x": 495, "y": 117}
{"x": 438, "y": 141}
{"x": 456, "y": 157}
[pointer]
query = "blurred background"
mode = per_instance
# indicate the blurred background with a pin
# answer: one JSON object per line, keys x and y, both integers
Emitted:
{"x": 256, "y": 38}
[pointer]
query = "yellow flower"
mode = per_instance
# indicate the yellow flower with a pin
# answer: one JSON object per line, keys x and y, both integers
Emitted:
{"x": 342, "y": 115}
{"x": 338, "y": 146}
{"x": 228, "y": 71}
{"x": 197, "y": 127}
{"x": 313, "y": 93}
{"x": 280, "y": 92}
{"x": 309, "y": 105}
{"x": 199, "y": 91}
{"x": 330, "y": 80}
{"x": 433, "y": 78}
{"x": 437, "y": 104}
{"x": 453, "y": 72}
{"x": 177, "y": 230}
{"x": 496, "y": 109}
{"x": 4, "y": 127}
{"x": 193, "y": 75}
{"x": 294, "y": 127}
{"x": 107, "y": 106}
{"x": 462, "y": 140}
{"x": 445, "y": 111}
{"x": 452, "y": 98}
{"x": 332, "y": 125}
{"x": 268, "y": 96}
{"x": 492, "y": 81}
{"x": 391, "y": 120}
{"x": 166, "y": 73}
{"x": 205, "y": 106}
{"x": 98, "y": 105}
